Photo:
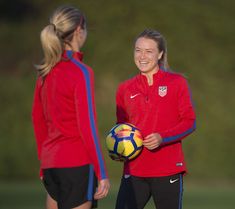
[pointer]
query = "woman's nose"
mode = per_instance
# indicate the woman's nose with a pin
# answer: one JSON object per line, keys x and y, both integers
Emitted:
{"x": 142, "y": 55}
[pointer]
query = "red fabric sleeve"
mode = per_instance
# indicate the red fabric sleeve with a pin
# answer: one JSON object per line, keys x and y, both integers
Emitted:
{"x": 86, "y": 120}
{"x": 39, "y": 123}
{"x": 121, "y": 114}
{"x": 187, "y": 121}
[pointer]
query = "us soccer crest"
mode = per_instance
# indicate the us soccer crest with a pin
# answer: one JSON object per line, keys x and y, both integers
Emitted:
{"x": 162, "y": 91}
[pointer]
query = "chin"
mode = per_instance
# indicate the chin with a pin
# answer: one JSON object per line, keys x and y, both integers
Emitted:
{"x": 144, "y": 70}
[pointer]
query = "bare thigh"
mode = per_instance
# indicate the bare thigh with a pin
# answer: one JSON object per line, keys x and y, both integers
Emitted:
{"x": 51, "y": 203}
{"x": 86, "y": 205}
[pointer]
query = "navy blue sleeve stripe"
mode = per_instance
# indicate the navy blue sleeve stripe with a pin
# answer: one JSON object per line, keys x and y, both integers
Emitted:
{"x": 90, "y": 183}
{"x": 173, "y": 138}
{"x": 91, "y": 113}
{"x": 181, "y": 192}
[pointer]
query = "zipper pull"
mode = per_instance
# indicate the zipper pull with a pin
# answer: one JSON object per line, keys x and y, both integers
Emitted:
{"x": 147, "y": 98}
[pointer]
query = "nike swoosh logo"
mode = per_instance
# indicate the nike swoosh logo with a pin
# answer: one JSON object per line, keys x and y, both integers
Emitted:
{"x": 133, "y": 96}
{"x": 126, "y": 176}
{"x": 173, "y": 180}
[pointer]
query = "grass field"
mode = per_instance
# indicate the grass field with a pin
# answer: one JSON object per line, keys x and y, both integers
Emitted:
{"x": 196, "y": 196}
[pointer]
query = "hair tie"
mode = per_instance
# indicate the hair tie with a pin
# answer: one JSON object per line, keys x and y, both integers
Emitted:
{"x": 81, "y": 20}
{"x": 53, "y": 25}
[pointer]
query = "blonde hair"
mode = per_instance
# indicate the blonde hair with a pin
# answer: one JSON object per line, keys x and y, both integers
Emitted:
{"x": 161, "y": 43}
{"x": 56, "y": 34}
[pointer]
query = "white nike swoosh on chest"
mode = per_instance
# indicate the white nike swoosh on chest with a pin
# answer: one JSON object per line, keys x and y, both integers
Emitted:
{"x": 133, "y": 96}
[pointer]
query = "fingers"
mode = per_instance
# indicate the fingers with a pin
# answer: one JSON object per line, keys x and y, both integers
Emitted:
{"x": 102, "y": 189}
{"x": 149, "y": 136}
{"x": 120, "y": 158}
{"x": 151, "y": 144}
{"x": 152, "y": 141}
{"x": 101, "y": 192}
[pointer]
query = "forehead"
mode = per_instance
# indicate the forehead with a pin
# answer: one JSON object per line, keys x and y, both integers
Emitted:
{"x": 146, "y": 43}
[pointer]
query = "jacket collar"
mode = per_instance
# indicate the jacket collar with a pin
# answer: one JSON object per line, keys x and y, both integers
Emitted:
{"x": 156, "y": 76}
{"x": 69, "y": 54}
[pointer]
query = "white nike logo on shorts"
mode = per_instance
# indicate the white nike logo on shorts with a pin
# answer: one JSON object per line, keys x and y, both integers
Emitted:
{"x": 126, "y": 176}
{"x": 173, "y": 180}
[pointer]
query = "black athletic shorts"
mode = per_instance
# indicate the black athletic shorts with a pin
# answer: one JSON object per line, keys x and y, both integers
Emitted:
{"x": 135, "y": 192}
{"x": 71, "y": 187}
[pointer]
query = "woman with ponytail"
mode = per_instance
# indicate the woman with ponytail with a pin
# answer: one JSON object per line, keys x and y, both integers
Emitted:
{"x": 64, "y": 116}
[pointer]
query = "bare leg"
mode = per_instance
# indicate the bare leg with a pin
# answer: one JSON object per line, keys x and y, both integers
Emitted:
{"x": 86, "y": 205}
{"x": 51, "y": 203}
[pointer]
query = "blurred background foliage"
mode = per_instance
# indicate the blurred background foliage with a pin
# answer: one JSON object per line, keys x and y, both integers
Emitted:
{"x": 200, "y": 35}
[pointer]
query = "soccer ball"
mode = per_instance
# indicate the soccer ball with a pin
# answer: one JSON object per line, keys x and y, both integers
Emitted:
{"x": 124, "y": 142}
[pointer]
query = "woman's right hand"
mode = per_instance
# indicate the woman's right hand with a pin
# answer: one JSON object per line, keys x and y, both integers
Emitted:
{"x": 152, "y": 141}
{"x": 103, "y": 189}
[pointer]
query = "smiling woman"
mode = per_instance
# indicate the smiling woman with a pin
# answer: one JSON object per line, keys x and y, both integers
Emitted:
{"x": 149, "y": 54}
{"x": 157, "y": 102}
{"x": 146, "y": 55}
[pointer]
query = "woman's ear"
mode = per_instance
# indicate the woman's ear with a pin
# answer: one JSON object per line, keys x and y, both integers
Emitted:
{"x": 160, "y": 55}
{"x": 78, "y": 29}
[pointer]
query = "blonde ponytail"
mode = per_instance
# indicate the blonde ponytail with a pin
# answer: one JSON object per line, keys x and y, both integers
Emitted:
{"x": 59, "y": 32}
{"x": 52, "y": 49}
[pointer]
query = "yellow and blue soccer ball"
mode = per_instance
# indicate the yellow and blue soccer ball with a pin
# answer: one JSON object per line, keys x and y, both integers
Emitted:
{"x": 124, "y": 142}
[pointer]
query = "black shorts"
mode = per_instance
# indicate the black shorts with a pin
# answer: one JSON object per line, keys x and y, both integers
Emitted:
{"x": 71, "y": 187}
{"x": 135, "y": 192}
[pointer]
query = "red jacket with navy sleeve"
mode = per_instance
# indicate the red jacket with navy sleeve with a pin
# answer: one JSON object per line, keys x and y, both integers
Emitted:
{"x": 165, "y": 108}
{"x": 64, "y": 117}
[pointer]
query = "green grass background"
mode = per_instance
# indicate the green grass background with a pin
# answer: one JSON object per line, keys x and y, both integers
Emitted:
{"x": 32, "y": 196}
{"x": 200, "y": 36}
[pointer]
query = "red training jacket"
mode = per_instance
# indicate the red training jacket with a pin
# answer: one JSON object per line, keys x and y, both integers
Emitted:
{"x": 164, "y": 108}
{"x": 64, "y": 117}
